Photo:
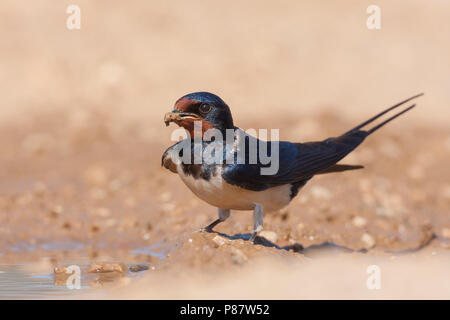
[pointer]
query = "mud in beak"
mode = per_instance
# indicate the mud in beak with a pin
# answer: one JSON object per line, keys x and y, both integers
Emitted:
{"x": 178, "y": 116}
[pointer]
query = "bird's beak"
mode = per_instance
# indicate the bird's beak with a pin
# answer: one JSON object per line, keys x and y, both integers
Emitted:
{"x": 178, "y": 116}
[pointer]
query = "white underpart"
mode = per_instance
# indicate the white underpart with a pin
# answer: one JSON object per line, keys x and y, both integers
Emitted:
{"x": 217, "y": 192}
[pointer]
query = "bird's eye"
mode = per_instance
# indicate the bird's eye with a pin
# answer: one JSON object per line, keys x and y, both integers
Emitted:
{"x": 205, "y": 108}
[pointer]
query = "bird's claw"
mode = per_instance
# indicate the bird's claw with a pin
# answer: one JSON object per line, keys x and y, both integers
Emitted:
{"x": 206, "y": 230}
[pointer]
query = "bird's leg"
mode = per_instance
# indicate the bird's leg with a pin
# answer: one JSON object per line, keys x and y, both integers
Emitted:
{"x": 257, "y": 221}
{"x": 223, "y": 215}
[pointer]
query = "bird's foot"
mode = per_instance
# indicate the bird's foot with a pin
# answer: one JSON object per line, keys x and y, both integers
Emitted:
{"x": 206, "y": 230}
{"x": 209, "y": 228}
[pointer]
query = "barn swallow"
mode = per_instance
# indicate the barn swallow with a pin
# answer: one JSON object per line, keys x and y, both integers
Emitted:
{"x": 241, "y": 186}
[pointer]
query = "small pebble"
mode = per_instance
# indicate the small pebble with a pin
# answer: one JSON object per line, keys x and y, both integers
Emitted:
{"x": 56, "y": 211}
{"x": 220, "y": 241}
{"x": 103, "y": 267}
{"x": 359, "y": 222}
{"x": 368, "y": 240}
{"x": 237, "y": 256}
{"x": 138, "y": 268}
{"x": 59, "y": 270}
{"x": 269, "y": 235}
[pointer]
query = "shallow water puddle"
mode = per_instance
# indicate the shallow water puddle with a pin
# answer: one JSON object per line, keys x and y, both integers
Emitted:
{"x": 159, "y": 250}
{"x": 42, "y": 281}
{"x": 16, "y": 282}
{"x": 21, "y": 282}
{"x": 49, "y": 246}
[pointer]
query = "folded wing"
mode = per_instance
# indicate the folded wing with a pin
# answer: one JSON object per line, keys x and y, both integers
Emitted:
{"x": 297, "y": 162}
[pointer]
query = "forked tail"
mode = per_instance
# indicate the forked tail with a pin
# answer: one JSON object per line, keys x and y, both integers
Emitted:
{"x": 371, "y": 130}
{"x": 354, "y": 137}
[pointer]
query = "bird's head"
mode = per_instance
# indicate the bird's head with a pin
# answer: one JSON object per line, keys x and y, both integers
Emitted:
{"x": 209, "y": 109}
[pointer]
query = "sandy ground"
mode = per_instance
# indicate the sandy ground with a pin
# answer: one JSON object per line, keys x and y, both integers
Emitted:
{"x": 82, "y": 133}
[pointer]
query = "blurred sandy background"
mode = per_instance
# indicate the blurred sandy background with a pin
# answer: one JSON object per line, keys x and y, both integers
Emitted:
{"x": 296, "y": 56}
{"x": 82, "y": 132}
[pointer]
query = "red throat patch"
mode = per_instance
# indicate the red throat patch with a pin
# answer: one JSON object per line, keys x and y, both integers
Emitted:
{"x": 188, "y": 124}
